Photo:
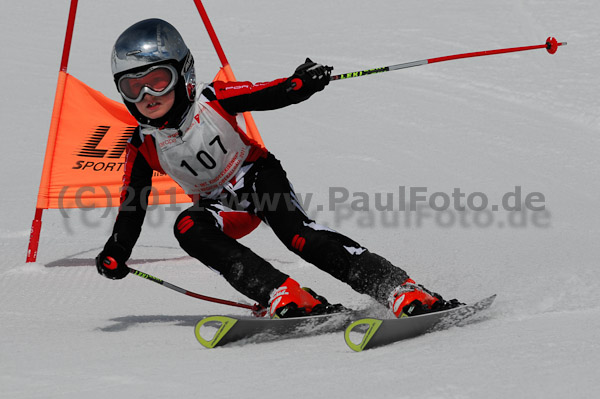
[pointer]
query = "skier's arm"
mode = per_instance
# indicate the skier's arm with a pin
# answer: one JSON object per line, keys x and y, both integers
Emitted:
{"x": 137, "y": 181}
{"x": 236, "y": 97}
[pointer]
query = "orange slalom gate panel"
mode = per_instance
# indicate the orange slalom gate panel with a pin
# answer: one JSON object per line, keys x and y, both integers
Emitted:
{"x": 85, "y": 156}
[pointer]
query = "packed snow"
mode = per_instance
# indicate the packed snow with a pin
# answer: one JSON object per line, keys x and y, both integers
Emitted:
{"x": 492, "y": 125}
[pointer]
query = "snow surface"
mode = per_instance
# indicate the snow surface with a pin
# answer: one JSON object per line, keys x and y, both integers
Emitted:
{"x": 482, "y": 125}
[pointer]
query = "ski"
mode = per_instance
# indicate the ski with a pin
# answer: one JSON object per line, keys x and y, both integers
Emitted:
{"x": 232, "y": 329}
{"x": 378, "y": 332}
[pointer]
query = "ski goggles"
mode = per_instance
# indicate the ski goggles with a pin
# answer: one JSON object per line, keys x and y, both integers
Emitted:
{"x": 156, "y": 81}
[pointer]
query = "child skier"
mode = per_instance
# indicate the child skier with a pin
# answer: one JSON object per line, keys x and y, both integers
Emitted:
{"x": 189, "y": 132}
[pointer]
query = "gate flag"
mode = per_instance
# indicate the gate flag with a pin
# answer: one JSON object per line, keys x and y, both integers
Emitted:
{"x": 85, "y": 154}
{"x": 84, "y": 165}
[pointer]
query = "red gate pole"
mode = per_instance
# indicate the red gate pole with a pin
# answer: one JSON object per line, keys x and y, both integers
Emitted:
{"x": 250, "y": 124}
{"x": 68, "y": 36}
{"x": 211, "y": 33}
{"x": 36, "y": 225}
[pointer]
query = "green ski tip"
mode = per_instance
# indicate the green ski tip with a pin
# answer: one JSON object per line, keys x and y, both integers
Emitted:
{"x": 225, "y": 323}
{"x": 372, "y": 326}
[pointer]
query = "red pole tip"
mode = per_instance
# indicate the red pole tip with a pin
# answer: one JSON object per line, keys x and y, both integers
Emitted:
{"x": 551, "y": 45}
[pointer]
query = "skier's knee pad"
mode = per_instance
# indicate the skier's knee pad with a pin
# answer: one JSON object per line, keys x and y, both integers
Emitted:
{"x": 193, "y": 226}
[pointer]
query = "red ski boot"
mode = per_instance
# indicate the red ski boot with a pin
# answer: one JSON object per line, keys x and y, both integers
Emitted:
{"x": 410, "y": 299}
{"x": 290, "y": 300}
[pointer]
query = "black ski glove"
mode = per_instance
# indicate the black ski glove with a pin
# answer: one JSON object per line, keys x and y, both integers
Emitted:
{"x": 308, "y": 79}
{"x": 111, "y": 261}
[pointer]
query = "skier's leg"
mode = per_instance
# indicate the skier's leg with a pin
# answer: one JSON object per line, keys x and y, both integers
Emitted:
{"x": 336, "y": 254}
{"x": 364, "y": 271}
{"x": 199, "y": 230}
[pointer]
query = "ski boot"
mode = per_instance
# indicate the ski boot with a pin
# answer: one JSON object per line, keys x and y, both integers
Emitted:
{"x": 290, "y": 300}
{"x": 410, "y": 299}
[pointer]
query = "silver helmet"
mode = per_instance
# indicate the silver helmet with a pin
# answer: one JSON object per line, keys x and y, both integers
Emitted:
{"x": 153, "y": 42}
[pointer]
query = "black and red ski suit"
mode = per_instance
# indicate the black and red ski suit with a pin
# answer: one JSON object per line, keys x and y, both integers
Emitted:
{"x": 251, "y": 187}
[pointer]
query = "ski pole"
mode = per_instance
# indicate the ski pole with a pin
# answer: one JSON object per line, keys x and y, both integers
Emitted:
{"x": 256, "y": 309}
{"x": 551, "y": 46}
